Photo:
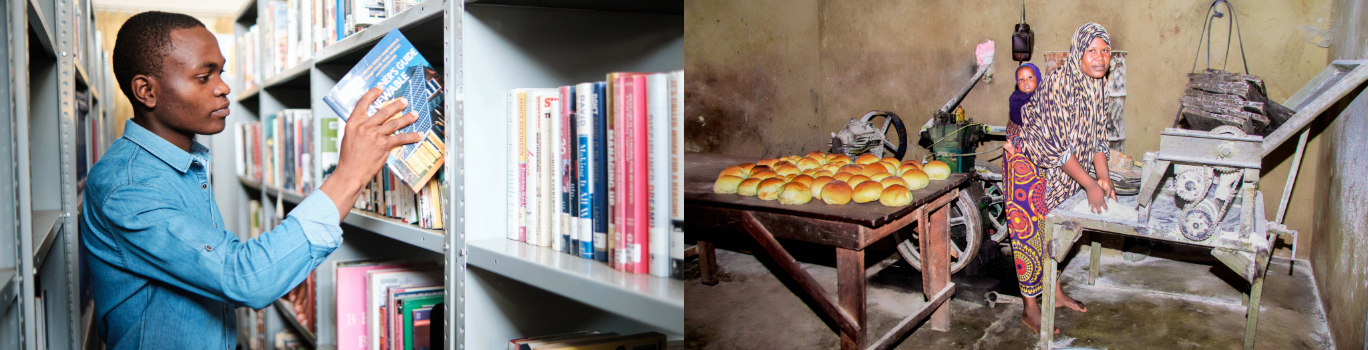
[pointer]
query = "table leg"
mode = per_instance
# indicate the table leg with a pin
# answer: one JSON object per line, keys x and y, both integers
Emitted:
{"x": 1095, "y": 251}
{"x": 1252, "y": 316}
{"x": 707, "y": 263}
{"x": 935, "y": 254}
{"x": 1047, "y": 280}
{"x": 850, "y": 287}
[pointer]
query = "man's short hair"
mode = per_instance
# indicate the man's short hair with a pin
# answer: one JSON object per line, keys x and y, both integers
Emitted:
{"x": 142, "y": 44}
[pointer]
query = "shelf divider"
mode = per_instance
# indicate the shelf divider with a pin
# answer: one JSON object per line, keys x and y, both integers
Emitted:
{"x": 287, "y": 312}
{"x": 651, "y": 300}
{"x": 46, "y": 224}
{"x": 9, "y": 287}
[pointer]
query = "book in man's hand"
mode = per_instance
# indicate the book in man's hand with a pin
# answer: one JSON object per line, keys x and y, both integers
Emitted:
{"x": 397, "y": 67}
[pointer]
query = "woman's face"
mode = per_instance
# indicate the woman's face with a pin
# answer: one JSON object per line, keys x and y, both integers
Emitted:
{"x": 1096, "y": 59}
{"x": 1026, "y": 80}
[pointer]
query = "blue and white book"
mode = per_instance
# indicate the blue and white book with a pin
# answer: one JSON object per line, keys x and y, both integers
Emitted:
{"x": 600, "y": 184}
{"x": 586, "y": 106}
{"x": 658, "y": 142}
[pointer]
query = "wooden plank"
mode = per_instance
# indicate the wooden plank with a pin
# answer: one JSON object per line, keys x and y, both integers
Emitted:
{"x": 905, "y": 326}
{"x": 701, "y": 171}
{"x": 844, "y": 320}
{"x": 935, "y": 254}
{"x": 707, "y": 262}
{"x": 869, "y": 236}
{"x": 850, "y": 286}
{"x": 714, "y": 221}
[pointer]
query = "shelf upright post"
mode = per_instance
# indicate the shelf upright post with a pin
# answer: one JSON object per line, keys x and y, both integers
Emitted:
{"x": 69, "y": 305}
{"x": 21, "y": 192}
{"x": 456, "y": 252}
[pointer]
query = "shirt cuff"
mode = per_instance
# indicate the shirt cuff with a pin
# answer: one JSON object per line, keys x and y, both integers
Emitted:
{"x": 1063, "y": 158}
{"x": 318, "y": 218}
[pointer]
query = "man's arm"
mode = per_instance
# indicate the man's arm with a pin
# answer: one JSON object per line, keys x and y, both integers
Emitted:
{"x": 365, "y": 146}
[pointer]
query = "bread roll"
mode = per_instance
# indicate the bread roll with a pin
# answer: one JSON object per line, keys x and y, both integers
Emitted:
{"x": 747, "y": 167}
{"x": 893, "y": 180}
{"x": 789, "y": 178}
{"x": 895, "y": 196}
{"x": 836, "y": 192}
{"x": 816, "y": 185}
{"x": 803, "y": 179}
{"x": 866, "y": 158}
{"x": 841, "y": 158}
{"x": 936, "y": 170}
{"x": 842, "y": 176}
{"x": 782, "y": 163}
{"x": 793, "y": 158}
{"x": 726, "y": 184}
{"x": 786, "y": 169}
{"x": 874, "y": 168}
{"x": 808, "y": 163}
{"x": 905, "y": 167}
{"x": 880, "y": 176}
{"x": 764, "y": 174}
{"x": 748, "y": 187}
{"x": 890, "y": 163}
{"x": 809, "y": 172}
{"x": 852, "y": 168}
{"x": 819, "y": 155}
{"x": 823, "y": 173}
{"x": 795, "y": 193}
{"x": 767, "y": 162}
{"x": 915, "y": 179}
{"x": 867, "y": 191}
{"x": 855, "y": 180}
{"x": 769, "y": 188}
{"x": 735, "y": 171}
{"x": 759, "y": 168}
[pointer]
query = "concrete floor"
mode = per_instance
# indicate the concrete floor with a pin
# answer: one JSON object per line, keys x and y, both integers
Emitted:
{"x": 1176, "y": 298}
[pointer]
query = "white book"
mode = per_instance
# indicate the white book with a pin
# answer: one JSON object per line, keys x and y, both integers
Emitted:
{"x": 677, "y": 168}
{"x": 516, "y": 201}
{"x": 658, "y": 143}
{"x": 548, "y": 110}
{"x": 557, "y": 173}
{"x": 377, "y": 284}
{"x": 241, "y": 159}
{"x": 584, "y": 141}
{"x": 534, "y": 166}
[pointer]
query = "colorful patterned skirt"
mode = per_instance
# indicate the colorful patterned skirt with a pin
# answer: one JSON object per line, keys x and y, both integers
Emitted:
{"x": 1025, "y": 210}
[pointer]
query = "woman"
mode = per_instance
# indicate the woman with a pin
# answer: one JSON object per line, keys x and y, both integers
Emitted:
{"x": 1062, "y": 123}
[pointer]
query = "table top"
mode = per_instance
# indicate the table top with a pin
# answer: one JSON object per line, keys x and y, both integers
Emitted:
{"x": 701, "y": 169}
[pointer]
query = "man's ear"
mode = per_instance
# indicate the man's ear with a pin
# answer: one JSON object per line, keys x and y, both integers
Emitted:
{"x": 144, "y": 90}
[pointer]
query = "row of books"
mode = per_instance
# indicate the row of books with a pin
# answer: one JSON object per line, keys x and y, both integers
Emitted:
{"x": 279, "y": 150}
{"x": 590, "y": 340}
{"x": 290, "y": 31}
{"x": 596, "y": 170}
{"x": 387, "y": 305}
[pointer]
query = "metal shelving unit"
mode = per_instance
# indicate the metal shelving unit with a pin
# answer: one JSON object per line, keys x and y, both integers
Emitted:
{"x": 49, "y": 59}
{"x": 497, "y": 289}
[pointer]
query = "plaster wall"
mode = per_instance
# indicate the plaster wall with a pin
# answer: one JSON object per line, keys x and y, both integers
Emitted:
{"x": 774, "y": 77}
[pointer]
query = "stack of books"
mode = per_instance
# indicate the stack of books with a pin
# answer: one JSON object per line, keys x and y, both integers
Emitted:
{"x": 386, "y": 305}
{"x": 290, "y": 31}
{"x": 279, "y": 150}
{"x": 596, "y": 170}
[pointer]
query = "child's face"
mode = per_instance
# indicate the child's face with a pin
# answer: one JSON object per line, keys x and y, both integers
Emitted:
{"x": 1026, "y": 80}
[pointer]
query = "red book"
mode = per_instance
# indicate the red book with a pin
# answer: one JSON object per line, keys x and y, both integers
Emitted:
{"x": 638, "y": 238}
{"x": 619, "y": 258}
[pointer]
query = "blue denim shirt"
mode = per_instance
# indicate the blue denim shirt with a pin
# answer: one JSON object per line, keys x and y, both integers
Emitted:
{"x": 164, "y": 272}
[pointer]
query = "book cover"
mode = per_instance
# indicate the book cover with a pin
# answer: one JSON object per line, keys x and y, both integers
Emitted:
{"x": 677, "y": 172}
{"x": 513, "y": 344}
{"x": 394, "y": 312}
{"x": 600, "y": 184}
{"x": 638, "y": 234}
{"x": 557, "y": 172}
{"x": 619, "y": 186}
{"x": 407, "y": 306}
{"x": 422, "y": 330}
{"x": 520, "y": 118}
{"x": 351, "y": 302}
{"x": 537, "y": 344}
{"x": 567, "y": 177}
{"x": 397, "y": 67}
{"x": 377, "y": 281}
{"x": 658, "y": 115}
{"x": 548, "y": 108}
{"x": 643, "y": 341}
{"x": 586, "y": 151}
{"x": 330, "y": 145}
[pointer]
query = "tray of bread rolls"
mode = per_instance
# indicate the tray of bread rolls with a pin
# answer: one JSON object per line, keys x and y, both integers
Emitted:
{"x": 867, "y": 190}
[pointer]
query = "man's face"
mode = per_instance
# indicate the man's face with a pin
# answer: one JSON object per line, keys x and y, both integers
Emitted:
{"x": 190, "y": 93}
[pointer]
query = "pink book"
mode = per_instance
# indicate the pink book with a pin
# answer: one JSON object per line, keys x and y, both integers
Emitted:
{"x": 638, "y": 237}
{"x": 351, "y": 304}
{"x": 619, "y": 162}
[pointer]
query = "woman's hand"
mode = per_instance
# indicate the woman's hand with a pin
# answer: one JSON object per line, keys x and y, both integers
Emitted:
{"x": 1105, "y": 183}
{"x": 1009, "y": 147}
{"x": 1097, "y": 199}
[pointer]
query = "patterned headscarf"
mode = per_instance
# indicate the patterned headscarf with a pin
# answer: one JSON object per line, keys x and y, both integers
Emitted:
{"x": 1066, "y": 117}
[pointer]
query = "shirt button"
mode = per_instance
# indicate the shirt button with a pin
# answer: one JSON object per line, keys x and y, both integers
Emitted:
{"x": 204, "y": 186}
{"x": 208, "y": 248}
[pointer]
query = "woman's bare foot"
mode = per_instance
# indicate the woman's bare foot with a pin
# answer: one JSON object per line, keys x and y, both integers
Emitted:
{"x": 1030, "y": 315}
{"x": 1064, "y": 300}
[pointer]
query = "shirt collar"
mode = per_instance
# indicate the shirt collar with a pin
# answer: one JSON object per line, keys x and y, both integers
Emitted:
{"x": 164, "y": 150}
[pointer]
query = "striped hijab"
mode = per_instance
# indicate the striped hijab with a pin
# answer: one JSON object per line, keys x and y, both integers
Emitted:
{"x": 1066, "y": 118}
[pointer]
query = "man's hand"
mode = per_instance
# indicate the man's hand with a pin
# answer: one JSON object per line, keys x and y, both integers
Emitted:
{"x": 365, "y": 146}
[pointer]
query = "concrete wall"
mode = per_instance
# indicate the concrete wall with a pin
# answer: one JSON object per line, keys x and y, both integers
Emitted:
{"x": 1339, "y": 256}
{"x": 776, "y": 77}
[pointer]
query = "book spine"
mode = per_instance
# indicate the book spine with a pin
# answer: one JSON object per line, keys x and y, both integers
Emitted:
{"x": 546, "y": 104}
{"x": 522, "y": 167}
{"x": 677, "y": 172}
{"x": 617, "y": 186}
{"x": 582, "y": 243}
{"x": 567, "y": 168}
{"x": 557, "y": 172}
{"x": 514, "y": 174}
{"x": 659, "y": 139}
{"x": 600, "y": 167}
{"x": 638, "y": 239}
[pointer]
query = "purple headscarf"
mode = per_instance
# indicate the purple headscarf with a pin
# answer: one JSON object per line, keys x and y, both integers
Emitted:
{"x": 1019, "y": 98}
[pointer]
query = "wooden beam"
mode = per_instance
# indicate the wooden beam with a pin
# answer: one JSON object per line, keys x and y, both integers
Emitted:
{"x": 850, "y": 287}
{"x": 845, "y": 321}
{"x": 905, "y": 327}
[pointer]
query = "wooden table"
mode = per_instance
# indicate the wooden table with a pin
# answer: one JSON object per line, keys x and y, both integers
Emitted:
{"x": 849, "y": 228}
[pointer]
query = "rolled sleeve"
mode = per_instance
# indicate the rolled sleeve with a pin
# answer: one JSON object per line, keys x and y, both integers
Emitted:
{"x": 320, "y": 221}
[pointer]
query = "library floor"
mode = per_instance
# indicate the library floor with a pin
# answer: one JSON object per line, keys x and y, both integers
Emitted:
{"x": 1175, "y": 298}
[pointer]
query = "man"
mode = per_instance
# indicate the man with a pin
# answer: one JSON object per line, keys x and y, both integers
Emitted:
{"x": 164, "y": 272}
